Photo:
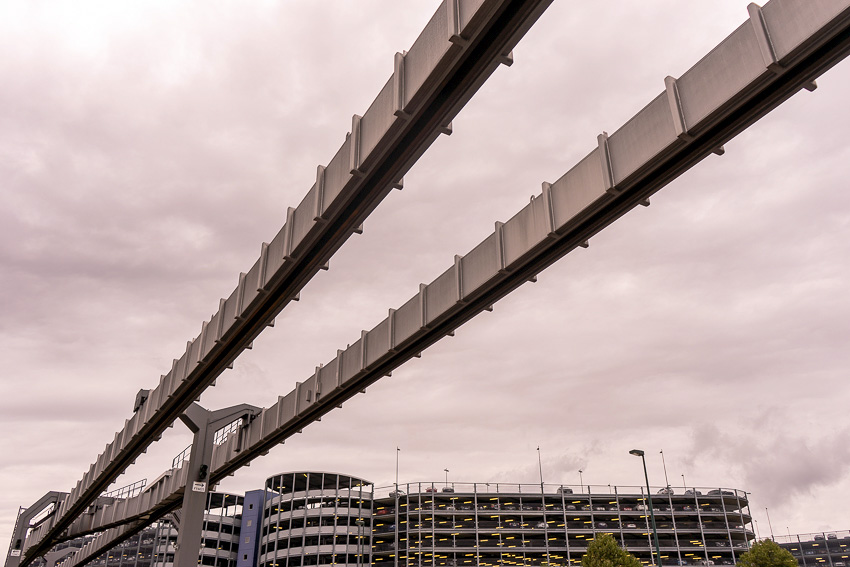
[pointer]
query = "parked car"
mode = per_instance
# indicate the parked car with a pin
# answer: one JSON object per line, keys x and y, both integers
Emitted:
{"x": 692, "y": 492}
{"x": 448, "y": 489}
{"x": 540, "y": 525}
{"x": 627, "y": 508}
{"x": 718, "y": 492}
{"x": 430, "y": 489}
{"x": 564, "y": 490}
{"x": 570, "y": 507}
{"x": 819, "y": 537}
{"x": 831, "y": 536}
{"x": 667, "y": 490}
{"x": 601, "y": 525}
{"x": 396, "y": 493}
{"x": 630, "y": 526}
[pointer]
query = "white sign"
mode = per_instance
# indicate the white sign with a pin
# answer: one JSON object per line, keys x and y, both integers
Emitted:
{"x": 15, "y": 553}
{"x": 199, "y": 487}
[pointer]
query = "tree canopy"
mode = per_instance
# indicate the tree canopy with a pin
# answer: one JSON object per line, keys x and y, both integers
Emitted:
{"x": 603, "y": 551}
{"x": 767, "y": 553}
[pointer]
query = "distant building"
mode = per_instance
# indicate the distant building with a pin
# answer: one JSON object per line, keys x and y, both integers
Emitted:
{"x": 827, "y": 549}
{"x": 325, "y": 519}
{"x": 309, "y": 518}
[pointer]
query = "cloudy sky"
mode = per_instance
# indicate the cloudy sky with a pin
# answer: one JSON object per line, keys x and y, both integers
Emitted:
{"x": 147, "y": 149}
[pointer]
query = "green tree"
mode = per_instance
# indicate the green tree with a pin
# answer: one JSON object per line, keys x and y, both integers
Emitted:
{"x": 767, "y": 553}
{"x": 603, "y": 551}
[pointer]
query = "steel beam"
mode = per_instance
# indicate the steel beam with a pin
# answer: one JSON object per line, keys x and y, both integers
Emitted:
{"x": 203, "y": 424}
{"x": 458, "y": 50}
{"x": 676, "y": 130}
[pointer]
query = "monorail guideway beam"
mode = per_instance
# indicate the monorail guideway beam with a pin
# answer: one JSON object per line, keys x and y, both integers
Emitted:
{"x": 781, "y": 50}
{"x": 203, "y": 423}
{"x": 52, "y": 557}
{"x": 457, "y": 51}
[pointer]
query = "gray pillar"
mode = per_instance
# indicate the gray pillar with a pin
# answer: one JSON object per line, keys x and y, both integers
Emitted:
{"x": 203, "y": 423}
{"x": 13, "y": 559}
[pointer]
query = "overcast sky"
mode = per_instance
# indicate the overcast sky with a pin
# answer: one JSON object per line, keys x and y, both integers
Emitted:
{"x": 147, "y": 149}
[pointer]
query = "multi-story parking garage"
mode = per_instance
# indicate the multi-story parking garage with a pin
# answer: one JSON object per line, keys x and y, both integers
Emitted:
{"x": 316, "y": 518}
{"x": 303, "y": 519}
{"x": 822, "y": 549}
{"x": 487, "y": 524}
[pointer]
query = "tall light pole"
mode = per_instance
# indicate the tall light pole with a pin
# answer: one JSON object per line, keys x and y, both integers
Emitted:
{"x": 581, "y": 480}
{"x": 397, "y": 451}
{"x": 540, "y": 465}
{"x": 769, "y": 525}
{"x": 359, "y": 522}
{"x": 665, "y": 469}
{"x": 447, "y": 477}
{"x": 639, "y": 453}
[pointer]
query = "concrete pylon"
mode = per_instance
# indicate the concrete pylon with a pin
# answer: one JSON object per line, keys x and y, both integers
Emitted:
{"x": 203, "y": 423}
{"x": 13, "y": 558}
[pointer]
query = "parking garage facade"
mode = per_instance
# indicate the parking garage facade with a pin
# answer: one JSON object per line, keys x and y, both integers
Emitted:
{"x": 316, "y": 518}
{"x": 822, "y": 549}
{"x": 489, "y": 524}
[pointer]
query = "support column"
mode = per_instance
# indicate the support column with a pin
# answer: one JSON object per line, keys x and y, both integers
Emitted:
{"x": 203, "y": 423}
{"x": 13, "y": 558}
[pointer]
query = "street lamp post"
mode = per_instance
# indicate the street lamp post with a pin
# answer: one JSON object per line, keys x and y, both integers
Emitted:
{"x": 359, "y": 522}
{"x": 639, "y": 453}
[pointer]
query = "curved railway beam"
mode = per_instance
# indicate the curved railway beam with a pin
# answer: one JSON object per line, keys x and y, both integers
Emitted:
{"x": 459, "y": 48}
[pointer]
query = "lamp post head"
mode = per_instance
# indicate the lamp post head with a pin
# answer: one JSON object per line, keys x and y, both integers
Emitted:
{"x": 636, "y": 452}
